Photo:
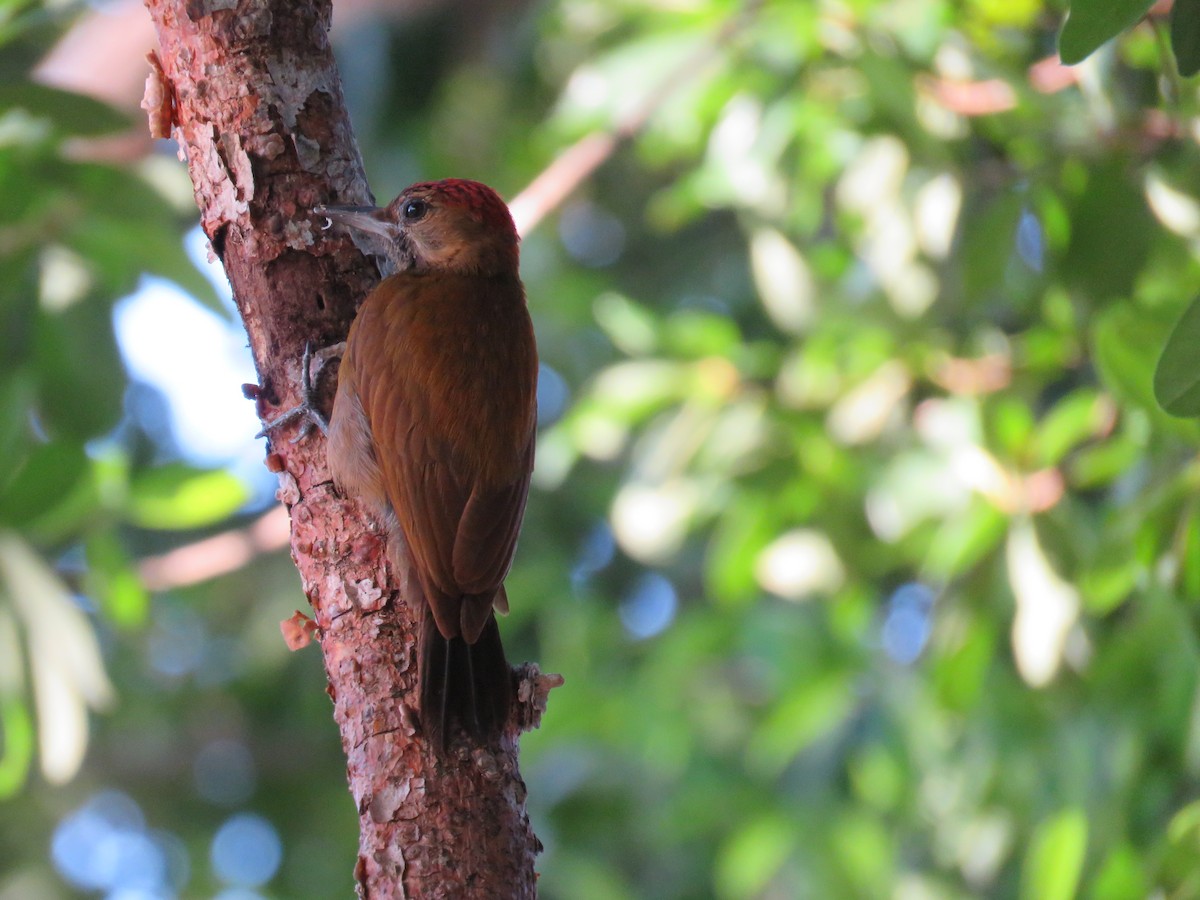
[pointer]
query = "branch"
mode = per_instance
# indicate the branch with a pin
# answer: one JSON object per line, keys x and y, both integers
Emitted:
{"x": 252, "y": 95}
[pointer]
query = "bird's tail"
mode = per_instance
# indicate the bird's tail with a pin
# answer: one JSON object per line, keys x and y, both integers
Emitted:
{"x": 463, "y": 685}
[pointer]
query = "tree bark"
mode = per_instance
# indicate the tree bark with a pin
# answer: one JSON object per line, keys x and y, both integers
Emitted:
{"x": 250, "y": 91}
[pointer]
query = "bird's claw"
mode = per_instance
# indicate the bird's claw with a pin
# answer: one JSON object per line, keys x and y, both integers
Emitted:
{"x": 307, "y": 408}
{"x": 311, "y": 414}
{"x": 320, "y": 210}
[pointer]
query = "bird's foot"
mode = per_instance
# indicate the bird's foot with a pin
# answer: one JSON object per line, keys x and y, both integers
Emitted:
{"x": 307, "y": 408}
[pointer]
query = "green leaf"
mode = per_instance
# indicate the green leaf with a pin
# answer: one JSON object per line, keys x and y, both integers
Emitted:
{"x": 1103, "y": 463}
{"x": 963, "y": 538}
{"x": 19, "y": 296}
{"x": 129, "y": 229}
{"x": 1127, "y": 338}
{"x": 803, "y": 716}
{"x": 878, "y": 777}
{"x": 17, "y": 17}
{"x": 16, "y": 744}
{"x": 634, "y": 390}
{"x": 1074, "y": 420}
{"x": 81, "y": 381}
{"x": 629, "y": 325}
{"x": 866, "y": 849}
{"x": 1185, "y": 36}
{"x": 692, "y": 334}
{"x": 67, "y": 666}
{"x": 891, "y": 90}
{"x": 745, "y": 527}
{"x": 177, "y": 496}
{"x": 46, "y": 478}
{"x": 988, "y": 237}
{"x": 114, "y": 582}
{"x": 1106, "y": 586}
{"x": 752, "y": 856}
{"x": 16, "y": 396}
{"x": 74, "y": 114}
{"x": 1092, "y": 22}
{"x": 959, "y": 671}
{"x": 1055, "y": 859}
{"x": 16, "y": 721}
{"x": 1112, "y": 231}
{"x": 1177, "y": 375}
{"x": 1121, "y": 876}
{"x": 1185, "y": 825}
{"x": 1013, "y": 424}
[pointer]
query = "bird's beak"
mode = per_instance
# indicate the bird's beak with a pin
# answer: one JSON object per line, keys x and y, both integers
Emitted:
{"x": 367, "y": 219}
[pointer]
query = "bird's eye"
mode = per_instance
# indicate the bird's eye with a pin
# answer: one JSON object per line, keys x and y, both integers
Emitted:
{"x": 414, "y": 210}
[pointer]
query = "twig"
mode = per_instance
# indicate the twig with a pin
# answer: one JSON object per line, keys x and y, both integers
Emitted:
{"x": 217, "y": 555}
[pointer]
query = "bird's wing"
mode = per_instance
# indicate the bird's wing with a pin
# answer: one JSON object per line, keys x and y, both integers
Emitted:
{"x": 429, "y": 415}
{"x": 488, "y": 529}
{"x": 427, "y": 503}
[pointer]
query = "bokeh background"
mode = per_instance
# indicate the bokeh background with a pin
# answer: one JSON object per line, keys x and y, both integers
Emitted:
{"x": 870, "y": 561}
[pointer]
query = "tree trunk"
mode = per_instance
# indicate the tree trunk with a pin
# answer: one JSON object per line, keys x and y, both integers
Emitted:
{"x": 250, "y": 91}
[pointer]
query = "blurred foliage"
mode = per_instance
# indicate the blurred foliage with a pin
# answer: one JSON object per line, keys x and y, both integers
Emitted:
{"x": 868, "y": 552}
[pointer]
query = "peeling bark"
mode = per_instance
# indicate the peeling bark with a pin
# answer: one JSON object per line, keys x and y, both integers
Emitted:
{"x": 250, "y": 91}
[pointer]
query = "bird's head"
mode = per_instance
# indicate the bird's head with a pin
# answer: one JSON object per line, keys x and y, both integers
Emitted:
{"x": 439, "y": 226}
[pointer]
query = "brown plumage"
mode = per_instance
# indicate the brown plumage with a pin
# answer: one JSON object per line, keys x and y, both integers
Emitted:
{"x": 433, "y": 426}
